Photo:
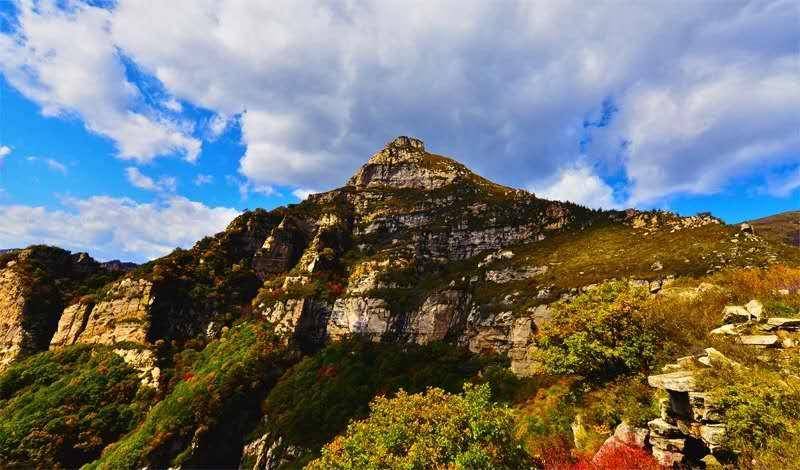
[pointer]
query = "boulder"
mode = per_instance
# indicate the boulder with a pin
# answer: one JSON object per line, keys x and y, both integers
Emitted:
{"x": 632, "y": 436}
{"x": 728, "y": 329}
{"x": 735, "y": 314}
{"x": 764, "y": 341}
{"x": 659, "y": 427}
{"x": 680, "y": 381}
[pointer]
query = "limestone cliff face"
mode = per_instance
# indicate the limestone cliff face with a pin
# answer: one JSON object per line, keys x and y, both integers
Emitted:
{"x": 35, "y": 284}
{"x": 122, "y": 316}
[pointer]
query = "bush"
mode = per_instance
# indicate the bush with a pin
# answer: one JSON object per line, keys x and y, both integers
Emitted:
{"x": 61, "y": 408}
{"x": 316, "y": 398}
{"x": 600, "y": 334}
{"x": 211, "y": 408}
{"x": 429, "y": 430}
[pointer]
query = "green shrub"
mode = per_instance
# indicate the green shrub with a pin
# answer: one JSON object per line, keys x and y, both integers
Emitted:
{"x": 317, "y": 397}
{"x": 61, "y": 408}
{"x": 600, "y": 334}
{"x": 213, "y": 406}
{"x": 429, "y": 430}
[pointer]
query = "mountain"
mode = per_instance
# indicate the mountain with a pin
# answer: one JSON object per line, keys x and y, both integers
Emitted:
{"x": 783, "y": 228}
{"x": 417, "y": 264}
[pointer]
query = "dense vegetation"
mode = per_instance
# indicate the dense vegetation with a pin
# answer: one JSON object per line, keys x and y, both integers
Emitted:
{"x": 434, "y": 429}
{"x": 216, "y": 401}
{"x": 61, "y": 408}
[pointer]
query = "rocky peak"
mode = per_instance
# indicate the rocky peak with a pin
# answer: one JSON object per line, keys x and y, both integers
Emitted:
{"x": 404, "y": 163}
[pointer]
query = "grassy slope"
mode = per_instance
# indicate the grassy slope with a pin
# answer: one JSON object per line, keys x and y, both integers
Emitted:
{"x": 783, "y": 228}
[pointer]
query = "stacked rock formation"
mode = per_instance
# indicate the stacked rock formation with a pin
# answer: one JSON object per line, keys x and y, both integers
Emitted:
{"x": 690, "y": 432}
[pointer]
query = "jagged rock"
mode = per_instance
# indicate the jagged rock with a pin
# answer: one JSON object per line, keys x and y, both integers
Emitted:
{"x": 13, "y": 302}
{"x": 659, "y": 427}
{"x": 504, "y": 276}
{"x": 713, "y": 434}
{"x": 144, "y": 361}
{"x": 266, "y": 453}
{"x": 438, "y": 316}
{"x": 403, "y": 163}
{"x": 365, "y": 316}
{"x": 71, "y": 324}
{"x": 680, "y": 381}
{"x": 668, "y": 459}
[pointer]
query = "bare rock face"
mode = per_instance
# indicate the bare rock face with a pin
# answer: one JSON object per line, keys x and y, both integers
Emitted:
{"x": 283, "y": 248}
{"x": 13, "y": 335}
{"x": 123, "y": 315}
{"x": 71, "y": 324}
{"x": 403, "y": 163}
{"x": 365, "y": 316}
{"x": 439, "y": 316}
{"x": 34, "y": 285}
{"x": 301, "y": 320}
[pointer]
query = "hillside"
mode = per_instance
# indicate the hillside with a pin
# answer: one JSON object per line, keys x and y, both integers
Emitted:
{"x": 783, "y": 228}
{"x": 259, "y": 344}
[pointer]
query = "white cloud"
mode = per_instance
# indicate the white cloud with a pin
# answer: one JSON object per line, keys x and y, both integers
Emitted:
{"x": 202, "y": 179}
{"x": 706, "y": 92}
{"x": 142, "y": 181}
{"x": 5, "y": 150}
{"x": 64, "y": 60}
{"x": 303, "y": 193}
{"x": 578, "y": 184}
{"x": 109, "y": 227}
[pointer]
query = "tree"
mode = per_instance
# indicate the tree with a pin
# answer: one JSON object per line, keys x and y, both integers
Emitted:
{"x": 434, "y": 429}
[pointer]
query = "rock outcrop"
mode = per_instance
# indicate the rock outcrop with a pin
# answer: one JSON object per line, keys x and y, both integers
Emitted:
{"x": 690, "y": 427}
{"x": 123, "y": 314}
{"x": 35, "y": 285}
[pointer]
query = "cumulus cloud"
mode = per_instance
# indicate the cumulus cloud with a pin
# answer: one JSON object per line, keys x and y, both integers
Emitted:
{"x": 5, "y": 150}
{"x": 705, "y": 92}
{"x": 64, "y": 60}
{"x": 142, "y": 181}
{"x": 110, "y": 228}
{"x": 578, "y": 184}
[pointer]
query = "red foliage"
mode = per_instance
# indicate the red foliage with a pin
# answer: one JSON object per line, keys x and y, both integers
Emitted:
{"x": 188, "y": 376}
{"x": 615, "y": 458}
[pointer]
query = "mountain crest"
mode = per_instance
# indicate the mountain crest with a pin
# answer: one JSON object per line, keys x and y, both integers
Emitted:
{"x": 404, "y": 164}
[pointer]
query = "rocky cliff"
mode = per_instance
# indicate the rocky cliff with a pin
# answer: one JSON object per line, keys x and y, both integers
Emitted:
{"x": 415, "y": 248}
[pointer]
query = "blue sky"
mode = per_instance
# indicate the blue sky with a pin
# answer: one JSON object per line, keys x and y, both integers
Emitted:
{"x": 130, "y": 127}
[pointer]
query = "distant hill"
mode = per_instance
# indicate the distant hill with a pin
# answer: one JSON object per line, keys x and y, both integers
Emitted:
{"x": 783, "y": 227}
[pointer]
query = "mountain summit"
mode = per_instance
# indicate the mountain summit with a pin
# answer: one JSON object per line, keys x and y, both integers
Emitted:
{"x": 404, "y": 163}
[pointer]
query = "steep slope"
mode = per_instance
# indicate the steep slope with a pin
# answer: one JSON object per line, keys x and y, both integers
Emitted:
{"x": 782, "y": 228}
